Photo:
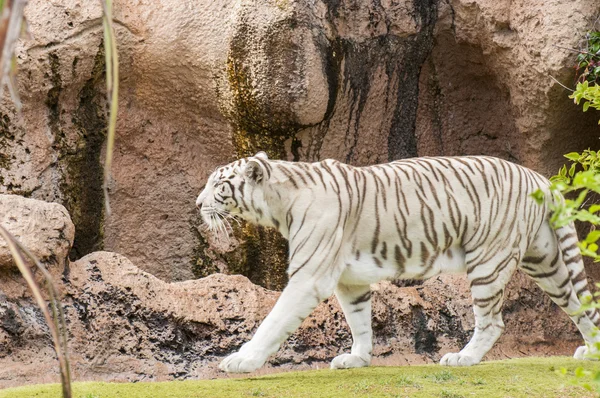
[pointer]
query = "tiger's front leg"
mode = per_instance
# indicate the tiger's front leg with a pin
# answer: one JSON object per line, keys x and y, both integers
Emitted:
{"x": 356, "y": 304}
{"x": 297, "y": 301}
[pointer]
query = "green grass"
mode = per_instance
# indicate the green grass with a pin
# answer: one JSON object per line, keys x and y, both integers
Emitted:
{"x": 526, "y": 377}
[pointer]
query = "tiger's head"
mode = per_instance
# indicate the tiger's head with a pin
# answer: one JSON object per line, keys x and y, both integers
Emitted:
{"x": 235, "y": 190}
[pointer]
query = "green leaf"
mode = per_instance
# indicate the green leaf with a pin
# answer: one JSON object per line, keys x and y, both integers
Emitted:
{"x": 583, "y": 178}
{"x": 594, "y": 208}
{"x": 581, "y": 197}
{"x": 572, "y": 169}
{"x": 538, "y": 196}
{"x": 574, "y": 156}
{"x": 593, "y": 236}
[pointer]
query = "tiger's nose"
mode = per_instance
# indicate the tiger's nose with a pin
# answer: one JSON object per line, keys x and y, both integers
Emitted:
{"x": 199, "y": 204}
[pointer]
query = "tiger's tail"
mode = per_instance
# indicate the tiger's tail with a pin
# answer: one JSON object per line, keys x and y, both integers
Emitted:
{"x": 571, "y": 255}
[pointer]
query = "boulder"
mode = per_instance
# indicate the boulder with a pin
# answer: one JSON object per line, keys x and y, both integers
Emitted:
{"x": 44, "y": 228}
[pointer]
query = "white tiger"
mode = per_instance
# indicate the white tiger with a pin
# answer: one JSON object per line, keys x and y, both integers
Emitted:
{"x": 349, "y": 227}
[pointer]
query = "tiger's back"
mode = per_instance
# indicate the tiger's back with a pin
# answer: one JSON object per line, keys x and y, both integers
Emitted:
{"x": 418, "y": 217}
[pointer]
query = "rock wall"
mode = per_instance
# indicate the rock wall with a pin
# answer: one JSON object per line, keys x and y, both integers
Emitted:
{"x": 203, "y": 83}
{"x": 492, "y": 75}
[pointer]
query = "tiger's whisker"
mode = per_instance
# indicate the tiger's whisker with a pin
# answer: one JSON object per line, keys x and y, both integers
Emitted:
{"x": 225, "y": 215}
{"x": 223, "y": 234}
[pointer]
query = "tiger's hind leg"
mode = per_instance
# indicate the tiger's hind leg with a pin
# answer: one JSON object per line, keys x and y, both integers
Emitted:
{"x": 356, "y": 304}
{"x": 488, "y": 280}
{"x": 554, "y": 262}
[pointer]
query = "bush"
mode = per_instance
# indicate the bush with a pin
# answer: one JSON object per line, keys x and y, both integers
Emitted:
{"x": 589, "y": 94}
{"x": 578, "y": 180}
{"x": 581, "y": 178}
{"x": 588, "y": 73}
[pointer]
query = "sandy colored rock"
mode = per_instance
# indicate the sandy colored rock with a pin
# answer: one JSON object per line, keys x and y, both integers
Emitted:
{"x": 489, "y": 85}
{"x": 44, "y": 228}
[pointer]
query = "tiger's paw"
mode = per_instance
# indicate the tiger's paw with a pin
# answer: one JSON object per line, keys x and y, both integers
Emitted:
{"x": 458, "y": 359}
{"x": 240, "y": 363}
{"x": 584, "y": 352}
{"x": 347, "y": 361}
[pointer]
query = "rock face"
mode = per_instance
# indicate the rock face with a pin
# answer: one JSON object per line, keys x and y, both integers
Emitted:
{"x": 488, "y": 82}
{"x": 127, "y": 325}
{"x": 206, "y": 82}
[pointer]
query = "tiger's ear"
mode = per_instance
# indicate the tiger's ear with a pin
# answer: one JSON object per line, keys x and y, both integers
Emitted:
{"x": 253, "y": 173}
{"x": 261, "y": 155}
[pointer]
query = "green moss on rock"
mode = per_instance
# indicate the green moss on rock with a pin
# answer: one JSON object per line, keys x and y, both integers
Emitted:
{"x": 6, "y": 137}
{"x": 79, "y": 154}
{"x": 257, "y": 126}
{"x": 266, "y": 259}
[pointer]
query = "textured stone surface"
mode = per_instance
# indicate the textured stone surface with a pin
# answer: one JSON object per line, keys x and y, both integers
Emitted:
{"x": 44, "y": 228}
{"x": 487, "y": 85}
{"x": 127, "y": 325}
